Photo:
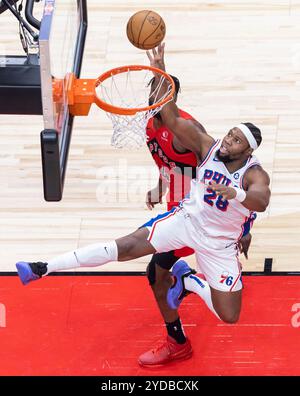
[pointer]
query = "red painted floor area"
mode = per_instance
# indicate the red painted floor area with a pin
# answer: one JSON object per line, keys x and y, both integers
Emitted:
{"x": 98, "y": 325}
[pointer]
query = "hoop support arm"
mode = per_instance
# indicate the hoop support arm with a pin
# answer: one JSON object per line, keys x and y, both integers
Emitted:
{"x": 81, "y": 95}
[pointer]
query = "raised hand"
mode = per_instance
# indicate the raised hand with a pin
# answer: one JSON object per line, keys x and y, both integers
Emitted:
{"x": 157, "y": 57}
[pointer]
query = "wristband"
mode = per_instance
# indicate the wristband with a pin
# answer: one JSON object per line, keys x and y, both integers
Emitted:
{"x": 240, "y": 194}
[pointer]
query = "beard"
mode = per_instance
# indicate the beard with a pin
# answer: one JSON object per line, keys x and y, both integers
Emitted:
{"x": 224, "y": 158}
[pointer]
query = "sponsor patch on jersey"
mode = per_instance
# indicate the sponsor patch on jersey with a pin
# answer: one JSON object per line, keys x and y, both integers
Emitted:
{"x": 165, "y": 135}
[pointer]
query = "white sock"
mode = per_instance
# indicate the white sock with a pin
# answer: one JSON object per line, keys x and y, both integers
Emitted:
{"x": 88, "y": 256}
{"x": 200, "y": 287}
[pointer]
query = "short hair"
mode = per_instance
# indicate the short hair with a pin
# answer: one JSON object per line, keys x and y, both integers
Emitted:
{"x": 176, "y": 82}
{"x": 256, "y": 132}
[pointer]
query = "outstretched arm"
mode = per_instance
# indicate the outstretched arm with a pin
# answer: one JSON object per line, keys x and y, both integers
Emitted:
{"x": 190, "y": 134}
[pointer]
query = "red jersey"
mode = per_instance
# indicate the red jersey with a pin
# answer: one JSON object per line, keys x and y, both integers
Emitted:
{"x": 176, "y": 169}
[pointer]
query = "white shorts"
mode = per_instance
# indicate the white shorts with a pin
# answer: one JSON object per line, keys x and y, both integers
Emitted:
{"x": 173, "y": 230}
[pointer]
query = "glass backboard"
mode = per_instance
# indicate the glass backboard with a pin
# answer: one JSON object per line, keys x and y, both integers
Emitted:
{"x": 61, "y": 43}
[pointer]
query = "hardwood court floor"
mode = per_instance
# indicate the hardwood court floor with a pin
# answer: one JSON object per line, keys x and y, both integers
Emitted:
{"x": 237, "y": 61}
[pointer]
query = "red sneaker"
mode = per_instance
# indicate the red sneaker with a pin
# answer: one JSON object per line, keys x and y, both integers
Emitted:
{"x": 165, "y": 353}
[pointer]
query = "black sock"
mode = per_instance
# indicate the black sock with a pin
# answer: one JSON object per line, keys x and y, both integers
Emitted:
{"x": 175, "y": 331}
{"x": 38, "y": 268}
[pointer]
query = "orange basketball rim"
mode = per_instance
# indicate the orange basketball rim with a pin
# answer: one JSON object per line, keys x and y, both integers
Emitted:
{"x": 82, "y": 92}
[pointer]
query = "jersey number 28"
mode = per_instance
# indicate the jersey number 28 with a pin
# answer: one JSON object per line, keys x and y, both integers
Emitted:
{"x": 210, "y": 199}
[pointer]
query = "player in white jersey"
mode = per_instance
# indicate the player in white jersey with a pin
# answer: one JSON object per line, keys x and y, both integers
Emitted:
{"x": 230, "y": 185}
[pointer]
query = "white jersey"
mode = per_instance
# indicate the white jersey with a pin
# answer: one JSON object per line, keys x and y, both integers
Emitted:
{"x": 214, "y": 217}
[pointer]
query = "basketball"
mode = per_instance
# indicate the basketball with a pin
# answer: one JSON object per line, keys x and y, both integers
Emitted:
{"x": 146, "y": 29}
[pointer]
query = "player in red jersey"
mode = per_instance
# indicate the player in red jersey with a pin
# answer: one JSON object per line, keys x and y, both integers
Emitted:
{"x": 177, "y": 166}
{"x": 138, "y": 243}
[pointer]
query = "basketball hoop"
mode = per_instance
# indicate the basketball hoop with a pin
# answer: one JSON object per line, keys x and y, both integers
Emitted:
{"x": 126, "y": 95}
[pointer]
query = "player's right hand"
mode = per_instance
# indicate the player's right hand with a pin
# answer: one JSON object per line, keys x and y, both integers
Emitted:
{"x": 153, "y": 197}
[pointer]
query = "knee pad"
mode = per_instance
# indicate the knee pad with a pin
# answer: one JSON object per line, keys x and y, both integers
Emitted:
{"x": 151, "y": 272}
{"x": 164, "y": 260}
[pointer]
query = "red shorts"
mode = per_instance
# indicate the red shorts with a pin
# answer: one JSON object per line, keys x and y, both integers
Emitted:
{"x": 183, "y": 252}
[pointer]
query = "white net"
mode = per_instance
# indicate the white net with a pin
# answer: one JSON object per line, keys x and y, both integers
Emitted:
{"x": 132, "y": 89}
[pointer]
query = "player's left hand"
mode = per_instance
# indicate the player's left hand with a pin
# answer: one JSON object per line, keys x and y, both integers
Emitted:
{"x": 221, "y": 189}
{"x": 244, "y": 244}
